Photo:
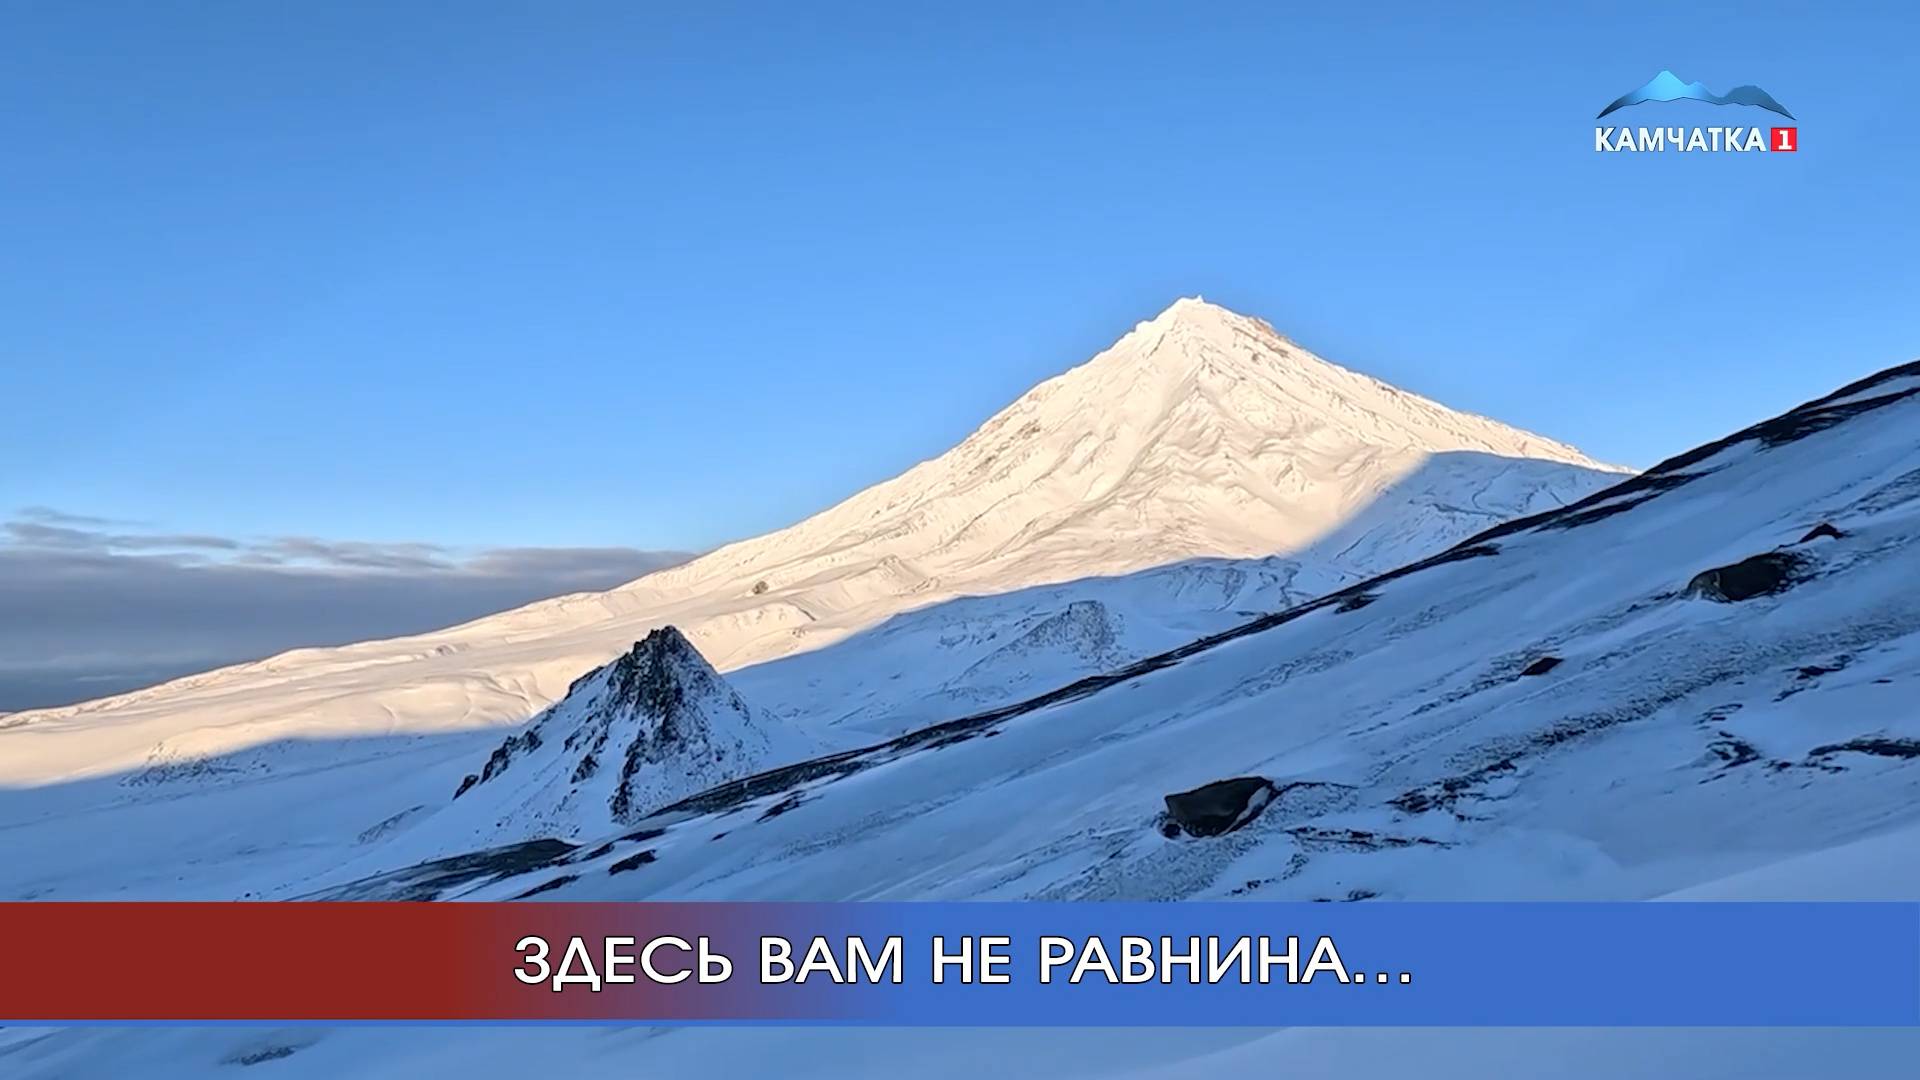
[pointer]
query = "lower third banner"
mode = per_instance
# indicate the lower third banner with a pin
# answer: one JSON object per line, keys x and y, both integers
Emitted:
{"x": 987, "y": 964}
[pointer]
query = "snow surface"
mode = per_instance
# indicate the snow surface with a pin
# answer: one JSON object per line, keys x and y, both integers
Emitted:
{"x": 1681, "y": 749}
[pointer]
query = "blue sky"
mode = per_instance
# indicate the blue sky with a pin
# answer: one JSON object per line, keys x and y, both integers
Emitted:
{"x": 664, "y": 275}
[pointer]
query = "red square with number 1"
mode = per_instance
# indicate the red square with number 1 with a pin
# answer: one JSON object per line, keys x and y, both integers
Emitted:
{"x": 1787, "y": 139}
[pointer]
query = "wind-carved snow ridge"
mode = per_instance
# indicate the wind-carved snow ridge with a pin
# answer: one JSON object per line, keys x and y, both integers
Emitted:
{"x": 654, "y": 725}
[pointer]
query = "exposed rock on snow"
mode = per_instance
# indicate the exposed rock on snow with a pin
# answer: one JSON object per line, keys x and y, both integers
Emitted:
{"x": 430, "y": 879}
{"x": 1219, "y": 807}
{"x": 1824, "y": 529}
{"x": 1878, "y": 747}
{"x": 1760, "y": 575}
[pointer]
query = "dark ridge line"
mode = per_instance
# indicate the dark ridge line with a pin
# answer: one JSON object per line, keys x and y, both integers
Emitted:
{"x": 1796, "y": 423}
{"x": 430, "y": 879}
{"x": 549, "y": 885}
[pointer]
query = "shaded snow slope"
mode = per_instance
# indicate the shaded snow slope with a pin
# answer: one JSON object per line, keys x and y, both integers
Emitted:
{"x": 931, "y": 663}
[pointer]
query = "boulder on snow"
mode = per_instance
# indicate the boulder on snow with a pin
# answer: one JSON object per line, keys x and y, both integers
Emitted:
{"x": 1542, "y": 665}
{"x": 1219, "y": 807}
{"x": 1760, "y": 575}
{"x": 1825, "y": 529}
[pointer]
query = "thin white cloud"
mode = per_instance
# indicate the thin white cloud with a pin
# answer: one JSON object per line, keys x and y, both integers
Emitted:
{"x": 43, "y": 535}
{"x": 48, "y": 515}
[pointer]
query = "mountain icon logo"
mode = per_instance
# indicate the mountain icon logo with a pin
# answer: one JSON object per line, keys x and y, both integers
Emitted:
{"x": 1667, "y": 86}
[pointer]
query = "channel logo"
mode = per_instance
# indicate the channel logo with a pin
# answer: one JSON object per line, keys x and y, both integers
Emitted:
{"x": 1667, "y": 86}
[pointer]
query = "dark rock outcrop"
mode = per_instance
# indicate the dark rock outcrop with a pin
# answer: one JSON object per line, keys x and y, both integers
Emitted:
{"x": 549, "y": 885}
{"x": 433, "y": 879}
{"x": 1825, "y": 529}
{"x": 1878, "y": 746}
{"x": 1760, "y": 575}
{"x": 630, "y": 735}
{"x": 1219, "y": 807}
{"x": 1542, "y": 665}
{"x": 633, "y": 862}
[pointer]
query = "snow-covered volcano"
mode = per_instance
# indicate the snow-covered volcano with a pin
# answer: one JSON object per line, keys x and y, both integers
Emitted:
{"x": 1102, "y": 517}
{"x": 1199, "y": 434}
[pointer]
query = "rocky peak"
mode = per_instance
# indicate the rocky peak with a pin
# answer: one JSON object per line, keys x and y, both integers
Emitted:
{"x": 654, "y": 724}
{"x": 656, "y": 678}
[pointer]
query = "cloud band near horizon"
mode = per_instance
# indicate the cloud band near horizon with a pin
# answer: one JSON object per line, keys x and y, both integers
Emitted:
{"x": 96, "y": 606}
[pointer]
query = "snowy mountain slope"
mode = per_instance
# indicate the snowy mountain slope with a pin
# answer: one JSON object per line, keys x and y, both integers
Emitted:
{"x": 1675, "y": 738}
{"x": 929, "y": 664}
{"x": 1681, "y": 746}
{"x": 1198, "y": 435}
{"x": 1146, "y": 612}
